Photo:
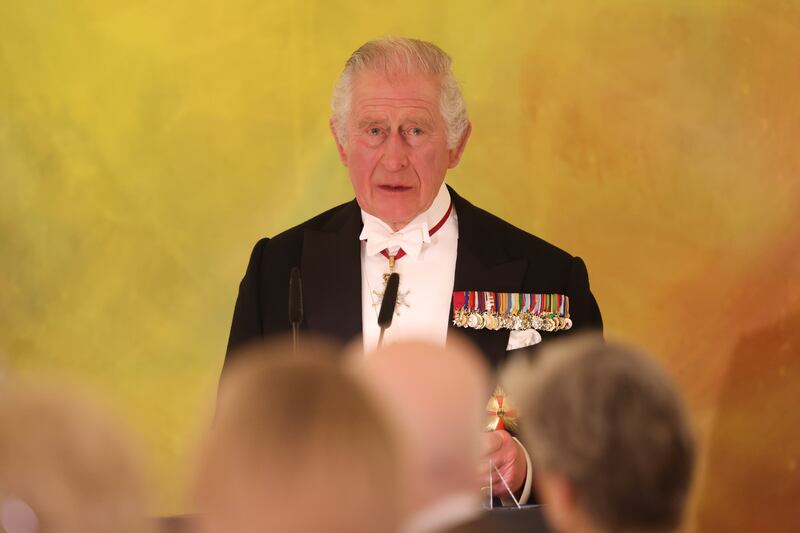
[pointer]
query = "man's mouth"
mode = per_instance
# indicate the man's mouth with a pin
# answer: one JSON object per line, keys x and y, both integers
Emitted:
{"x": 394, "y": 188}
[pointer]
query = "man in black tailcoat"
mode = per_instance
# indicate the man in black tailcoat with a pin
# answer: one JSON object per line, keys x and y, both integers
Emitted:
{"x": 400, "y": 122}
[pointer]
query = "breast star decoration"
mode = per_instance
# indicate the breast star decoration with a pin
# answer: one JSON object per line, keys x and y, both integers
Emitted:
{"x": 501, "y": 412}
{"x": 377, "y": 298}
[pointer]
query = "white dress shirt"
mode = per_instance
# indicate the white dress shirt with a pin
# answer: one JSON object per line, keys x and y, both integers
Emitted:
{"x": 427, "y": 273}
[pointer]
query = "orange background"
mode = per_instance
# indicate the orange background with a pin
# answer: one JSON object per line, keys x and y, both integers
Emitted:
{"x": 145, "y": 146}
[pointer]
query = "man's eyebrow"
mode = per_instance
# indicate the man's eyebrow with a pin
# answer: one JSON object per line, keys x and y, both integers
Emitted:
{"x": 421, "y": 120}
{"x": 375, "y": 119}
{"x": 368, "y": 121}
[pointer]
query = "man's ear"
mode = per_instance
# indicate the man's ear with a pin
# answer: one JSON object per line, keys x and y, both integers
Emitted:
{"x": 559, "y": 499}
{"x": 455, "y": 153}
{"x": 339, "y": 145}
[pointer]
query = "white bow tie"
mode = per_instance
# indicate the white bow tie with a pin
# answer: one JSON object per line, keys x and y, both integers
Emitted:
{"x": 410, "y": 238}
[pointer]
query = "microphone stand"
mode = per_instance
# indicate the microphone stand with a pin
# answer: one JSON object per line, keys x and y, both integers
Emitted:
{"x": 295, "y": 306}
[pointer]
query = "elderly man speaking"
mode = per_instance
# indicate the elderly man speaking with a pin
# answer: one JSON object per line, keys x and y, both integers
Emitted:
{"x": 400, "y": 123}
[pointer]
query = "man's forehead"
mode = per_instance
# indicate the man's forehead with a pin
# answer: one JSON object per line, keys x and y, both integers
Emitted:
{"x": 420, "y": 87}
{"x": 395, "y": 76}
{"x": 382, "y": 107}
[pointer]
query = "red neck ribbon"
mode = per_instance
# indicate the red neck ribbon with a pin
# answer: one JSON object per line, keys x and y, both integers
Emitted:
{"x": 400, "y": 253}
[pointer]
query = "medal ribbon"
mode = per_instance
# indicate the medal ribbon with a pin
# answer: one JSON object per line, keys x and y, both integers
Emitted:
{"x": 506, "y": 303}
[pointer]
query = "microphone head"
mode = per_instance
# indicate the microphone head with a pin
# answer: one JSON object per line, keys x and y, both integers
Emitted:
{"x": 295, "y": 297}
{"x": 389, "y": 301}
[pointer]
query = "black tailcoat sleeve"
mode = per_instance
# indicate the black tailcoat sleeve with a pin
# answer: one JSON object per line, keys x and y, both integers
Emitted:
{"x": 492, "y": 255}
{"x": 247, "y": 322}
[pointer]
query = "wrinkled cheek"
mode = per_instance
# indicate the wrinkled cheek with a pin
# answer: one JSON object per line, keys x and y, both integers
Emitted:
{"x": 429, "y": 169}
{"x": 365, "y": 167}
{"x": 362, "y": 169}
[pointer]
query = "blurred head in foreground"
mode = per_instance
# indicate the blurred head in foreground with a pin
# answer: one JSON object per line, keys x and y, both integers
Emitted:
{"x": 437, "y": 398}
{"x": 65, "y": 469}
{"x": 610, "y": 441}
{"x": 297, "y": 446}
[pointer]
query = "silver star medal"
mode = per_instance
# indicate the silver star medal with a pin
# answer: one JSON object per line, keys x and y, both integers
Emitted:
{"x": 377, "y": 297}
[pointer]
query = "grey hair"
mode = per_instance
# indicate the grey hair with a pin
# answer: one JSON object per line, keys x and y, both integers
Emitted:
{"x": 609, "y": 419}
{"x": 400, "y": 55}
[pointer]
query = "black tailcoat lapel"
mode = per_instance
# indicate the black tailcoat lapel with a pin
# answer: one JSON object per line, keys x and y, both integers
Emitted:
{"x": 331, "y": 272}
{"x": 482, "y": 264}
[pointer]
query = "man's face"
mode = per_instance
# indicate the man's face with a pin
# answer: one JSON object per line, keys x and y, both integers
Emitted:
{"x": 396, "y": 147}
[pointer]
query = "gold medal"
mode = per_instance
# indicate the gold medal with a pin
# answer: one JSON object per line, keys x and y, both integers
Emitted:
{"x": 461, "y": 318}
{"x": 525, "y": 320}
{"x": 505, "y": 321}
{"x": 475, "y": 320}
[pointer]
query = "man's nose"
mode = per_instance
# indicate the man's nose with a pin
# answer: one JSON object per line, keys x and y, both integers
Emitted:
{"x": 395, "y": 155}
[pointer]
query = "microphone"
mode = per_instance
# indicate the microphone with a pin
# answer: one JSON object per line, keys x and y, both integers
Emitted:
{"x": 388, "y": 304}
{"x": 295, "y": 305}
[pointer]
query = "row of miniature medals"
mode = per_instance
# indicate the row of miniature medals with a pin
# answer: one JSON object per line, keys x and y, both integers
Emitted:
{"x": 542, "y": 312}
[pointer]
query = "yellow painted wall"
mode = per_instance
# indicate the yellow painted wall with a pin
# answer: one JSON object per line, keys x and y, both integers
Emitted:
{"x": 145, "y": 146}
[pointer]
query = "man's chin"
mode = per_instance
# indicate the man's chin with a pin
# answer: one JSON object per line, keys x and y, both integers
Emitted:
{"x": 396, "y": 218}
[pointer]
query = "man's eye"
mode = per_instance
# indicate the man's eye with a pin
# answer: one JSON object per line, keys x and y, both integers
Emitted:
{"x": 374, "y": 131}
{"x": 415, "y": 131}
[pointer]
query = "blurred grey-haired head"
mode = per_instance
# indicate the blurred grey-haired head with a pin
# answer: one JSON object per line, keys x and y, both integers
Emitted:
{"x": 608, "y": 418}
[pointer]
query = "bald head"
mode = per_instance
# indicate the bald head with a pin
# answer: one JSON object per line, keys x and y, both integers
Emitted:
{"x": 436, "y": 397}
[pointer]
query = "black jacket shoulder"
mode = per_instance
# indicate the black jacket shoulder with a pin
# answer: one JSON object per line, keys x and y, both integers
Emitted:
{"x": 289, "y": 243}
{"x": 479, "y": 228}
